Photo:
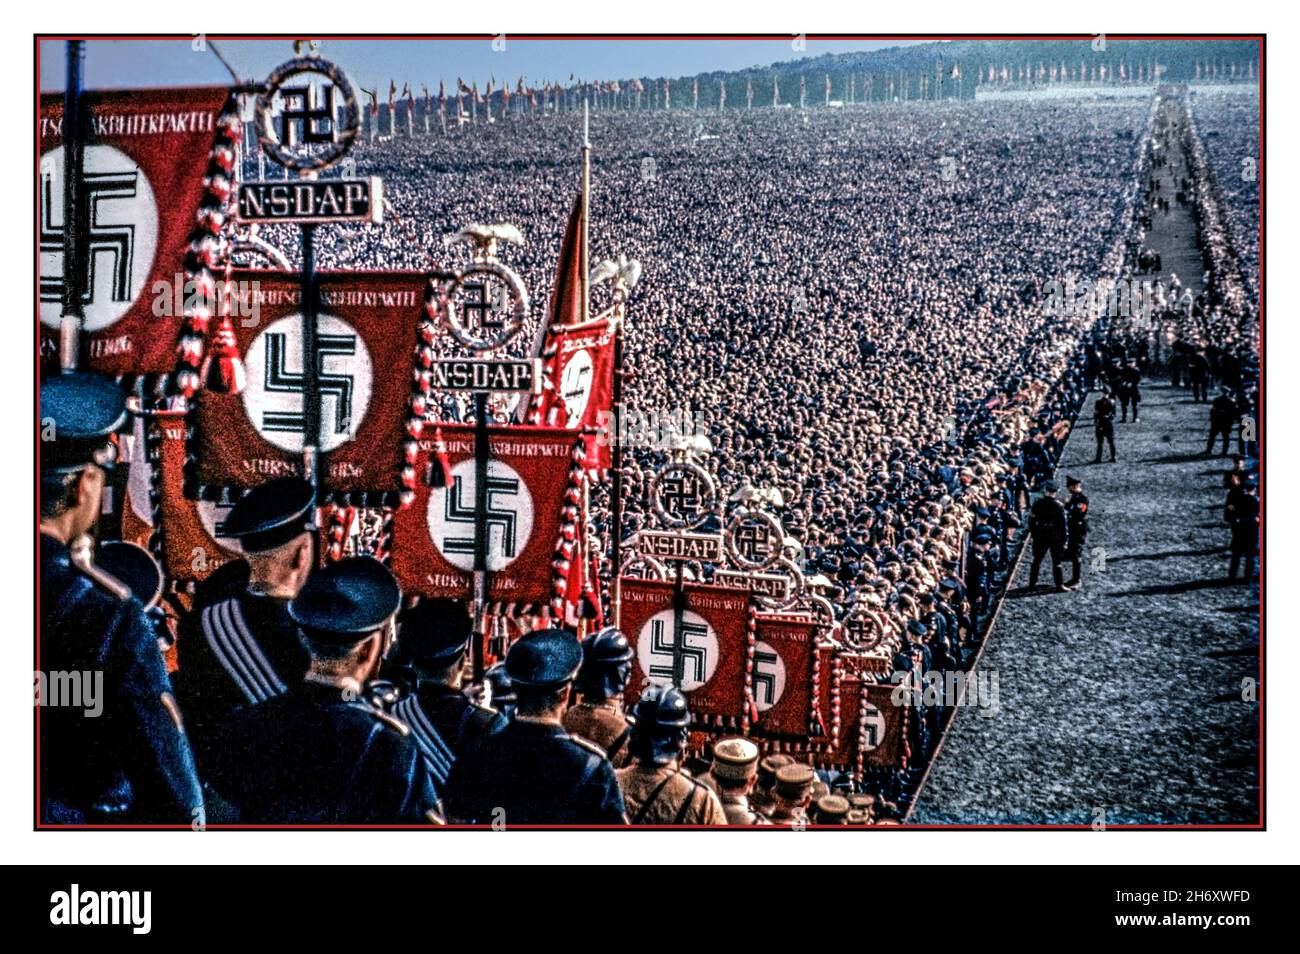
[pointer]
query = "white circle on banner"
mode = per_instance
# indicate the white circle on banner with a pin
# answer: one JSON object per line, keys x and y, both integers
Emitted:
{"x": 122, "y": 236}
{"x": 575, "y": 387}
{"x": 273, "y": 397}
{"x": 873, "y": 727}
{"x": 769, "y": 676}
{"x": 213, "y": 518}
{"x": 700, "y": 654}
{"x": 509, "y": 515}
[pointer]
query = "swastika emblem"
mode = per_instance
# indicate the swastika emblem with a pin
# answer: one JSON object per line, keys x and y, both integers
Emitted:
{"x": 769, "y": 676}
{"x": 273, "y": 398}
{"x": 873, "y": 727}
{"x": 509, "y": 516}
{"x": 700, "y": 653}
{"x": 123, "y": 235}
{"x": 575, "y": 387}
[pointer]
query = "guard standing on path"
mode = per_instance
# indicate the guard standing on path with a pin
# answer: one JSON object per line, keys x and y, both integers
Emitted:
{"x": 1047, "y": 527}
{"x": 242, "y": 647}
{"x": 132, "y": 763}
{"x": 533, "y": 772}
{"x": 1076, "y": 527}
{"x": 319, "y": 753}
{"x": 1130, "y": 396}
{"x": 427, "y": 661}
{"x": 1223, "y": 414}
{"x": 1103, "y": 417}
{"x": 606, "y": 665}
{"x": 658, "y": 790}
{"x": 1242, "y": 514}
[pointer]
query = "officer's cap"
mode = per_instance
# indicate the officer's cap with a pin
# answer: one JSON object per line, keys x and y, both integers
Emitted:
{"x": 1073, "y": 482}
{"x": 917, "y": 628}
{"x": 1049, "y": 487}
{"x": 272, "y": 514}
{"x": 794, "y": 781}
{"x": 546, "y": 659}
{"x": 345, "y": 602}
{"x": 735, "y": 760}
{"x": 949, "y": 583}
{"x": 770, "y": 765}
{"x": 79, "y": 414}
{"x": 831, "y": 810}
{"x": 434, "y": 631}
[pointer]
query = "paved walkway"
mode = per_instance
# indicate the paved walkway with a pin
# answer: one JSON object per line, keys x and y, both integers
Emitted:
{"x": 1125, "y": 697}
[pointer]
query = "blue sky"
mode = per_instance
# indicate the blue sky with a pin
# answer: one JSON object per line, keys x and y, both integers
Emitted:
{"x": 371, "y": 63}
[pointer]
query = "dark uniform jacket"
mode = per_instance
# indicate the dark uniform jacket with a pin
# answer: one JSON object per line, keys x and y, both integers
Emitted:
{"x": 310, "y": 755}
{"x": 537, "y": 774}
{"x": 1103, "y": 415}
{"x": 443, "y": 722}
{"x": 1047, "y": 523}
{"x": 132, "y": 762}
{"x": 239, "y": 650}
{"x": 1077, "y": 522}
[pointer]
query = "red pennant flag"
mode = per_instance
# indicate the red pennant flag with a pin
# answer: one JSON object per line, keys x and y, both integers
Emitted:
{"x": 717, "y": 645}
{"x": 534, "y": 510}
{"x": 159, "y": 158}
{"x": 366, "y": 335}
{"x": 782, "y": 674}
{"x": 578, "y": 388}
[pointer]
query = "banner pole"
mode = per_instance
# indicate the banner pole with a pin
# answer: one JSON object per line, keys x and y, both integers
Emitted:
{"x": 311, "y": 409}
{"x": 74, "y": 218}
{"x": 481, "y": 453}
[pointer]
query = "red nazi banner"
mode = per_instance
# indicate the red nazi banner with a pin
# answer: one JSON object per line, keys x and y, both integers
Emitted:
{"x": 871, "y": 725}
{"x": 143, "y": 185}
{"x": 190, "y": 531}
{"x": 579, "y": 387}
{"x": 366, "y": 338}
{"x": 528, "y": 490}
{"x": 782, "y": 674}
{"x": 714, "y": 637}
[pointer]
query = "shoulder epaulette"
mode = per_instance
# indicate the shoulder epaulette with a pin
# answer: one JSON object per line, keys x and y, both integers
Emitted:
{"x": 587, "y": 744}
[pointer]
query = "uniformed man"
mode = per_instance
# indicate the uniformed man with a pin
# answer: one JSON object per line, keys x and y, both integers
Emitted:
{"x": 1103, "y": 418}
{"x": 132, "y": 762}
{"x": 792, "y": 794}
{"x": 761, "y": 799}
{"x": 427, "y": 663}
{"x": 319, "y": 752}
{"x": 1223, "y": 415}
{"x": 500, "y": 691}
{"x": 733, "y": 775}
{"x": 1128, "y": 383}
{"x": 1242, "y": 514}
{"x": 831, "y": 810}
{"x": 1047, "y": 529}
{"x": 606, "y": 665}
{"x": 657, "y": 789}
{"x": 243, "y": 647}
{"x": 533, "y": 772}
{"x": 1076, "y": 527}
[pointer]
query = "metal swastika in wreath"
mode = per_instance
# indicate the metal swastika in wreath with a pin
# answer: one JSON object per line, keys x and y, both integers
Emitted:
{"x": 683, "y": 495}
{"x": 754, "y": 539}
{"x": 310, "y": 115}
{"x": 485, "y": 304}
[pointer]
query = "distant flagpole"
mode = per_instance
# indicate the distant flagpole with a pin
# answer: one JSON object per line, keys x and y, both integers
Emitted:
{"x": 586, "y": 211}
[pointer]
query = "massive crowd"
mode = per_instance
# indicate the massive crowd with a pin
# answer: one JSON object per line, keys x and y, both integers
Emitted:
{"x": 848, "y": 303}
{"x": 852, "y": 306}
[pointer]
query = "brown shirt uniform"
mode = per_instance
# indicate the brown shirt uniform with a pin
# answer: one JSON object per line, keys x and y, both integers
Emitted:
{"x": 668, "y": 795}
{"x": 604, "y": 724}
{"x": 738, "y": 811}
